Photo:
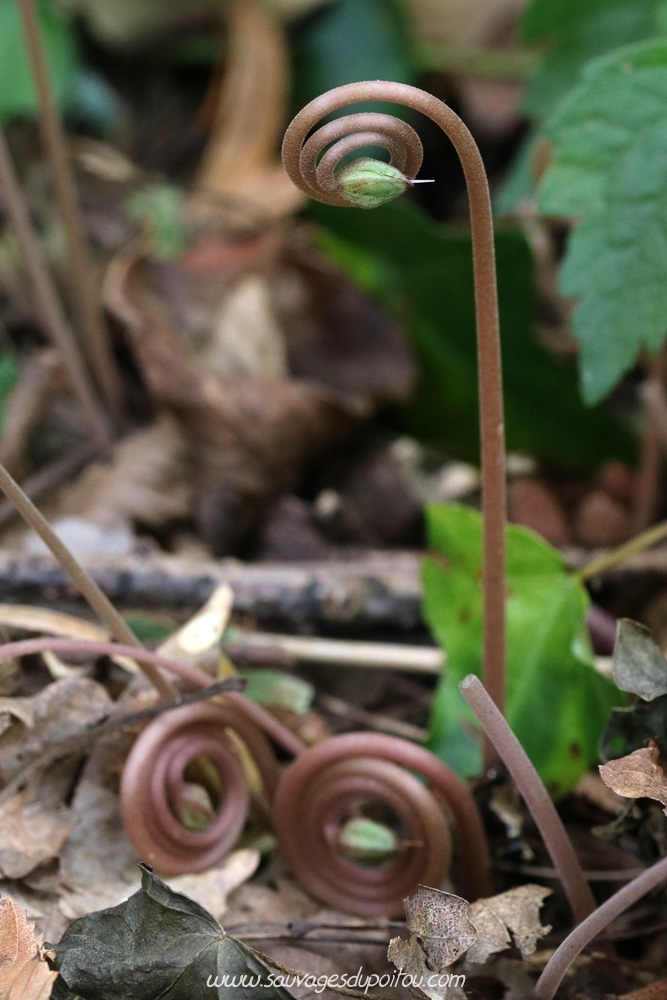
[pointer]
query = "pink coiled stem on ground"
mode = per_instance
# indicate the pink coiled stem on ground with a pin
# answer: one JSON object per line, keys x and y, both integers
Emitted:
{"x": 324, "y": 786}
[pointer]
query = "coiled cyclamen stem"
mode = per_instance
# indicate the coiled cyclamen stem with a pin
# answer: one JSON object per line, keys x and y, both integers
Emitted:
{"x": 313, "y": 162}
{"x": 330, "y": 783}
{"x": 153, "y": 782}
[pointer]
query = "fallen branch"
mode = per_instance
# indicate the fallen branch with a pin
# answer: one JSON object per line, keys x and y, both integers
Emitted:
{"x": 377, "y": 591}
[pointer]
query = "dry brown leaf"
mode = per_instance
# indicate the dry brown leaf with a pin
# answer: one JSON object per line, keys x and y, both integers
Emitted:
{"x": 440, "y": 932}
{"x": 32, "y": 725}
{"x": 30, "y": 833}
{"x": 444, "y": 927}
{"x": 211, "y": 888}
{"x": 638, "y": 776}
{"x": 24, "y": 974}
{"x": 517, "y": 911}
{"x": 145, "y": 479}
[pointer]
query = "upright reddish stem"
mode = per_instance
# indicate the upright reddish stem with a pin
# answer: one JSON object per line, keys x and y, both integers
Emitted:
{"x": 318, "y": 178}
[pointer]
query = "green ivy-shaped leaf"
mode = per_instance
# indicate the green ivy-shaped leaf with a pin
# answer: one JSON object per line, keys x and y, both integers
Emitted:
{"x": 557, "y": 704}
{"x": 610, "y": 168}
{"x": 158, "y": 945}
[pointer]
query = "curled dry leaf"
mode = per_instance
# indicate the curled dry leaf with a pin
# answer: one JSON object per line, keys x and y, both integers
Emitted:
{"x": 440, "y": 932}
{"x": 444, "y": 927}
{"x": 197, "y": 643}
{"x": 640, "y": 775}
{"x": 24, "y": 974}
{"x": 517, "y": 911}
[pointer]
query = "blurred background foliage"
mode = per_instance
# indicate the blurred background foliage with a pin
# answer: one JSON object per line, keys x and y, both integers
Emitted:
{"x": 503, "y": 64}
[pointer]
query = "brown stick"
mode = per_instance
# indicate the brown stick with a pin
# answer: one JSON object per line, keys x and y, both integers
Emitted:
{"x": 87, "y": 300}
{"x": 48, "y": 304}
{"x": 318, "y": 178}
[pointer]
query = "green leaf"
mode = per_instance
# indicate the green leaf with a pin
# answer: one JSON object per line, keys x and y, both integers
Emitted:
{"x": 557, "y": 704}
{"x": 160, "y": 208}
{"x": 421, "y": 273}
{"x": 275, "y": 687}
{"x": 158, "y": 945}
{"x": 17, "y": 91}
{"x": 610, "y": 167}
{"x": 349, "y": 41}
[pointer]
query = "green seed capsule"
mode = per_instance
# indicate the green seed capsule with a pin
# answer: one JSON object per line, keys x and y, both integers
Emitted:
{"x": 369, "y": 183}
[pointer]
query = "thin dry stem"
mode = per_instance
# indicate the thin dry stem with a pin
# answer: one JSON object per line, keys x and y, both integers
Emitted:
{"x": 318, "y": 179}
{"x": 48, "y": 303}
{"x": 632, "y": 548}
{"x": 87, "y": 300}
{"x": 574, "y": 943}
{"x": 98, "y": 601}
{"x": 49, "y": 477}
{"x": 535, "y": 795}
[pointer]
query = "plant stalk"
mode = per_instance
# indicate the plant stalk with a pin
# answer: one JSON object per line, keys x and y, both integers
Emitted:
{"x": 87, "y": 302}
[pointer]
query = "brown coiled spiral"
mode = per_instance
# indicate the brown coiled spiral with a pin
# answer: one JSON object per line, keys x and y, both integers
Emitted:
{"x": 153, "y": 780}
{"x": 329, "y": 782}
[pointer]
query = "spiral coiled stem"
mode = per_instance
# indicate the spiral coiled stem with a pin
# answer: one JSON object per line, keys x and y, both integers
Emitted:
{"x": 335, "y": 779}
{"x": 154, "y": 784}
{"x": 313, "y": 162}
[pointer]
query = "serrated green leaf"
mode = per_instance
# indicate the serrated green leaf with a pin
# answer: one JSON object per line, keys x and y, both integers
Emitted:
{"x": 158, "y": 945}
{"x": 556, "y": 702}
{"x": 610, "y": 166}
{"x": 578, "y": 31}
{"x": 17, "y": 91}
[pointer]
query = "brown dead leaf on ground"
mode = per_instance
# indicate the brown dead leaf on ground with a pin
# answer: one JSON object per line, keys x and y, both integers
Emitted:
{"x": 517, "y": 911}
{"x": 29, "y": 726}
{"x": 249, "y": 437}
{"x": 145, "y": 479}
{"x": 440, "y": 932}
{"x": 443, "y": 927}
{"x": 24, "y": 974}
{"x": 31, "y": 832}
{"x": 640, "y": 775}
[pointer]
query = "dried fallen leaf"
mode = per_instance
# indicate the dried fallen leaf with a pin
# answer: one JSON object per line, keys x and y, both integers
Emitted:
{"x": 443, "y": 927}
{"x": 638, "y": 776}
{"x": 29, "y": 726}
{"x": 31, "y": 833}
{"x": 517, "y": 911}
{"x": 440, "y": 932}
{"x": 24, "y": 974}
{"x": 157, "y": 943}
{"x": 638, "y": 664}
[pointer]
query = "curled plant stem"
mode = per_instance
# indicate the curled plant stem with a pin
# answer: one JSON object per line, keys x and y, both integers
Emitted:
{"x": 98, "y": 601}
{"x": 47, "y": 299}
{"x": 322, "y": 788}
{"x": 87, "y": 298}
{"x": 632, "y": 548}
{"x": 320, "y": 180}
{"x": 535, "y": 795}
{"x": 593, "y": 925}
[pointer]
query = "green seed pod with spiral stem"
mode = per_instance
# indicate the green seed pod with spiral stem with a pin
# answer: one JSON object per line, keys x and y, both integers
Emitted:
{"x": 370, "y": 183}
